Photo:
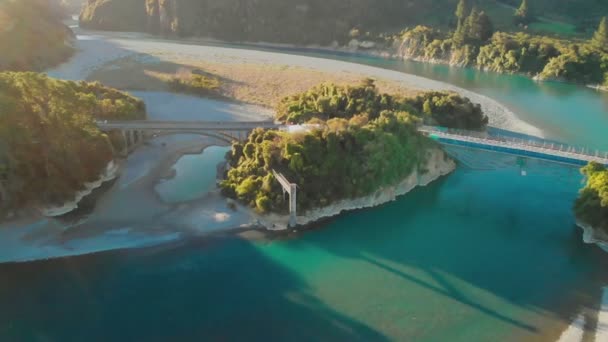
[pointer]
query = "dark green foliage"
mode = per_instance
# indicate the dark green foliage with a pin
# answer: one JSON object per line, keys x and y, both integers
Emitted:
{"x": 577, "y": 63}
{"x": 339, "y": 160}
{"x": 329, "y": 101}
{"x": 461, "y": 12}
{"x": 548, "y": 58}
{"x": 359, "y": 141}
{"x": 285, "y": 21}
{"x": 51, "y": 143}
{"x": 474, "y": 30}
{"x": 449, "y": 110}
{"x": 600, "y": 38}
{"x": 32, "y": 36}
{"x": 522, "y": 14}
{"x": 314, "y": 21}
{"x": 480, "y": 28}
{"x": 519, "y": 53}
{"x": 592, "y": 205}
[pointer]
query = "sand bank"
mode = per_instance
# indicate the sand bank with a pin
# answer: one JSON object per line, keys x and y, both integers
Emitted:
{"x": 101, "y": 53}
{"x": 130, "y": 214}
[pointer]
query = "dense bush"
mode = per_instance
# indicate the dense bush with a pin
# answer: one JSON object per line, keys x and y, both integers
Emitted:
{"x": 358, "y": 141}
{"x": 449, "y": 110}
{"x": 196, "y": 84}
{"x": 345, "y": 158}
{"x": 517, "y": 53}
{"x": 32, "y": 36}
{"x": 592, "y": 205}
{"x": 285, "y": 21}
{"x": 50, "y": 143}
{"x": 311, "y": 21}
{"x": 329, "y": 101}
{"x": 545, "y": 57}
{"x": 580, "y": 64}
{"x": 426, "y": 42}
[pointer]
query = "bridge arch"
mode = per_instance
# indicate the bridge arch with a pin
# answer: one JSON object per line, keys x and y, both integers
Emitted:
{"x": 221, "y": 136}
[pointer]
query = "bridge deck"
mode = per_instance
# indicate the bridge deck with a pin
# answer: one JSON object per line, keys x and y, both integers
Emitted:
{"x": 176, "y": 126}
{"x": 525, "y": 148}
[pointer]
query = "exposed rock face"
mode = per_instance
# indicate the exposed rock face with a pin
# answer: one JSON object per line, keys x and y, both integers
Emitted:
{"x": 411, "y": 49}
{"x": 279, "y": 21}
{"x": 592, "y": 235}
{"x": 438, "y": 165}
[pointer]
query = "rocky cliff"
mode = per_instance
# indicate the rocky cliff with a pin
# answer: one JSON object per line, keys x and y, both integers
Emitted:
{"x": 594, "y": 236}
{"x": 438, "y": 165}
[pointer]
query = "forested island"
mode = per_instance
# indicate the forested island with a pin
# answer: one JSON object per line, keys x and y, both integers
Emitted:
{"x": 50, "y": 145}
{"x": 355, "y": 141}
{"x": 591, "y": 207}
{"x": 32, "y": 36}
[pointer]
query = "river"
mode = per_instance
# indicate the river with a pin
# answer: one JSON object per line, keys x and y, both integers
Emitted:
{"x": 484, "y": 254}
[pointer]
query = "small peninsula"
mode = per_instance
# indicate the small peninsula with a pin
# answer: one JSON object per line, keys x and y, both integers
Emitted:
{"x": 353, "y": 142}
{"x": 50, "y": 146}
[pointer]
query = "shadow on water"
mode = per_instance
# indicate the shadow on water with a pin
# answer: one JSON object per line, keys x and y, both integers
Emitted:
{"x": 489, "y": 231}
{"x": 213, "y": 291}
{"x": 480, "y": 239}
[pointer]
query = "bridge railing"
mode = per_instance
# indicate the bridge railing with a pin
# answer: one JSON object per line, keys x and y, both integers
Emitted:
{"x": 483, "y": 137}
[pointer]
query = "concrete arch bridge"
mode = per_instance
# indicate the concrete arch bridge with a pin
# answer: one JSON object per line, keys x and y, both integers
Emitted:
{"x": 136, "y": 132}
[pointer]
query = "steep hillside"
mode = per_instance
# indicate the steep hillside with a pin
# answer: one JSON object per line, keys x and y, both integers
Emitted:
{"x": 52, "y": 146}
{"x": 32, "y": 36}
{"x": 302, "y": 21}
{"x": 317, "y": 21}
{"x": 575, "y": 11}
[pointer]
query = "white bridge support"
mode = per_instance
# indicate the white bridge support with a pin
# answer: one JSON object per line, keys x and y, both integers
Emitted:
{"x": 291, "y": 189}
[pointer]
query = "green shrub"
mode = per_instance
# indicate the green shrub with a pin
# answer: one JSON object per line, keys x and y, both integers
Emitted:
{"x": 196, "y": 84}
{"x": 591, "y": 207}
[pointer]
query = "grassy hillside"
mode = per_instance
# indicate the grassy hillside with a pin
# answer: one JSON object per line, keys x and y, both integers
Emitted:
{"x": 32, "y": 36}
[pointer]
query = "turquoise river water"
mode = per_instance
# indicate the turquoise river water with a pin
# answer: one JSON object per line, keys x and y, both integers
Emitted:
{"x": 484, "y": 254}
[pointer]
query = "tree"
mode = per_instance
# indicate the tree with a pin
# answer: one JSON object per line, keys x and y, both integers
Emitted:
{"x": 600, "y": 38}
{"x": 461, "y": 12}
{"x": 478, "y": 27}
{"x": 522, "y": 14}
